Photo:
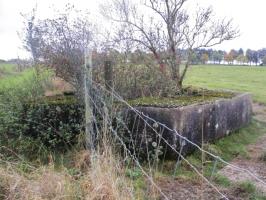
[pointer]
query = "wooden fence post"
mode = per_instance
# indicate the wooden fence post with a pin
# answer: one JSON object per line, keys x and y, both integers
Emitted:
{"x": 90, "y": 136}
{"x": 108, "y": 75}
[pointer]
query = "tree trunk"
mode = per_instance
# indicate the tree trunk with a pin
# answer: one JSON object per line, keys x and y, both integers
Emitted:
{"x": 157, "y": 57}
{"x": 175, "y": 74}
{"x": 190, "y": 52}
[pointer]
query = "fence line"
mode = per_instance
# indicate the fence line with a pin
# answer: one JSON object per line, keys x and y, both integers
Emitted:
{"x": 129, "y": 152}
{"x": 118, "y": 97}
{"x": 142, "y": 115}
{"x": 178, "y": 153}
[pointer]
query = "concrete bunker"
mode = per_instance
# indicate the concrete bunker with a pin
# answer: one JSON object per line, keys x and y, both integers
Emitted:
{"x": 211, "y": 120}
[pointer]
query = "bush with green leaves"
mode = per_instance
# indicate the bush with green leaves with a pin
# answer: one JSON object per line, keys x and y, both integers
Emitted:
{"x": 56, "y": 122}
{"x": 28, "y": 123}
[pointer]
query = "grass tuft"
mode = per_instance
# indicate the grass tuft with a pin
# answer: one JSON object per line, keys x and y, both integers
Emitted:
{"x": 222, "y": 180}
{"x": 247, "y": 187}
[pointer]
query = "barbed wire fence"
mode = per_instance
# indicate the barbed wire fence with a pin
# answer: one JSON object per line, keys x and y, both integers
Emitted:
{"x": 135, "y": 156}
{"x": 141, "y": 137}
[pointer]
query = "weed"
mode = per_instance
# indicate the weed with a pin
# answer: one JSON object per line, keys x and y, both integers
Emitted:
{"x": 222, "y": 180}
{"x": 247, "y": 187}
{"x": 103, "y": 178}
{"x": 133, "y": 173}
{"x": 106, "y": 178}
{"x": 227, "y": 148}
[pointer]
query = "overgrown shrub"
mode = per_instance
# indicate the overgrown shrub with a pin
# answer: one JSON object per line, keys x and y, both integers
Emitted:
{"x": 101, "y": 178}
{"x": 21, "y": 118}
{"x": 133, "y": 81}
{"x": 53, "y": 125}
{"x": 56, "y": 123}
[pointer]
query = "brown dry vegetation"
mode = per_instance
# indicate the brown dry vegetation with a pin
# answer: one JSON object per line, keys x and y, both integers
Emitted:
{"x": 58, "y": 86}
{"x": 44, "y": 183}
{"x": 100, "y": 178}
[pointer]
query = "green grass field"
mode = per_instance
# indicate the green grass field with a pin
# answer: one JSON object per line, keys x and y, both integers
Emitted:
{"x": 10, "y": 77}
{"x": 237, "y": 78}
{"x": 6, "y": 68}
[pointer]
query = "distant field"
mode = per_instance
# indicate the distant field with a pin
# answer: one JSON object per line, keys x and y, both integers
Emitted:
{"x": 6, "y": 68}
{"x": 10, "y": 78}
{"x": 237, "y": 78}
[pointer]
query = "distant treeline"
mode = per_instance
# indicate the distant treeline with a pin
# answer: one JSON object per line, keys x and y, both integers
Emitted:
{"x": 16, "y": 61}
{"x": 200, "y": 56}
{"x": 250, "y": 57}
{"x": 13, "y": 61}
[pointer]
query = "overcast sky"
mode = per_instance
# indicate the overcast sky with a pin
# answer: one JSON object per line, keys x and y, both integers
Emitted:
{"x": 249, "y": 16}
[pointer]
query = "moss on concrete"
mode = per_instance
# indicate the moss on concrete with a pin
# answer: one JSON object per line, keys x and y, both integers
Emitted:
{"x": 189, "y": 96}
{"x": 56, "y": 100}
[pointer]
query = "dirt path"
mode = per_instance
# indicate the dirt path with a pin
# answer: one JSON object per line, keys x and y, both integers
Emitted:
{"x": 256, "y": 159}
{"x": 259, "y": 112}
{"x": 188, "y": 190}
{"x": 178, "y": 189}
{"x": 253, "y": 163}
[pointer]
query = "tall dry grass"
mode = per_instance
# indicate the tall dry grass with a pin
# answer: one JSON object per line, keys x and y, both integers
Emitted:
{"x": 40, "y": 184}
{"x": 102, "y": 177}
{"x": 106, "y": 179}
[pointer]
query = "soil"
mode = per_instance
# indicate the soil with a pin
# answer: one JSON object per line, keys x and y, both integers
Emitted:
{"x": 178, "y": 189}
{"x": 259, "y": 111}
{"x": 256, "y": 159}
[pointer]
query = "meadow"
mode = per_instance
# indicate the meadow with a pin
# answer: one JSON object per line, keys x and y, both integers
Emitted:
{"x": 236, "y": 78}
{"x": 103, "y": 176}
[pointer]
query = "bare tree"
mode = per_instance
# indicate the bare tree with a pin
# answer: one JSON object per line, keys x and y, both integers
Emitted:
{"x": 32, "y": 36}
{"x": 163, "y": 27}
{"x": 62, "y": 43}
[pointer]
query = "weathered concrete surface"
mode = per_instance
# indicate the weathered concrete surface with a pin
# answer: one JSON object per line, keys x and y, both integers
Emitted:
{"x": 211, "y": 120}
